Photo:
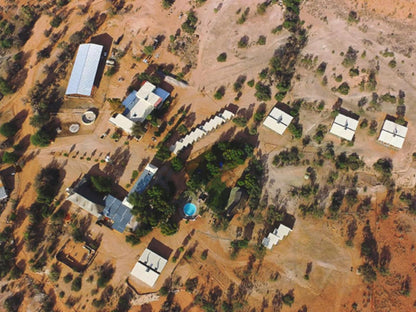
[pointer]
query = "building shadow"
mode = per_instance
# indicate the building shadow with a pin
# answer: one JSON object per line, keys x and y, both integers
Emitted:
{"x": 106, "y": 41}
{"x": 160, "y": 248}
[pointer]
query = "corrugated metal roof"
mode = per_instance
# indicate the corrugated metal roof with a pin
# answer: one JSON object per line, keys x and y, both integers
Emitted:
{"x": 163, "y": 94}
{"x": 344, "y": 127}
{"x": 129, "y": 102}
{"x": 84, "y": 71}
{"x": 117, "y": 212}
{"x": 393, "y": 134}
{"x": 144, "y": 179}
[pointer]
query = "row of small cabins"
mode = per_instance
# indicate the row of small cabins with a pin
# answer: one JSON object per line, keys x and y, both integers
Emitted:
{"x": 344, "y": 126}
{"x": 202, "y": 130}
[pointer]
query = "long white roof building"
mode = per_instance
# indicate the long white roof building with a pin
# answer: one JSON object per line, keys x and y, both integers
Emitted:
{"x": 344, "y": 127}
{"x": 85, "y": 68}
{"x": 201, "y": 130}
{"x": 274, "y": 237}
{"x": 393, "y": 134}
{"x": 149, "y": 267}
{"x": 278, "y": 120}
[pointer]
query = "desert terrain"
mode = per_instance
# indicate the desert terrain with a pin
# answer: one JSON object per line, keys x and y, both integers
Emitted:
{"x": 319, "y": 265}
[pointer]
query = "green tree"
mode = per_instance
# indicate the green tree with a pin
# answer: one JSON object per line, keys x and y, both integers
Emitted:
{"x": 177, "y": 164}
{"x": 76, "y": 284}
{"x": 8, "y": 129}
{"x": 5, "y": 87}
{"x": 10, "y": 158}
{"x": 41, "y": 138}
{"x": 222, "y": 57}
{"x": 102, "y": 184}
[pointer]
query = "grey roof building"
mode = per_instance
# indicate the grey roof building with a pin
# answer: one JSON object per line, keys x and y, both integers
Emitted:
{"x": 119, "y": 214}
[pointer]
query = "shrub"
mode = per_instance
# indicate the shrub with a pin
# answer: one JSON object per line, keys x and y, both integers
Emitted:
{"x": 222, "y": 57}
{"x": 296, "y": 129}
{"x": 277, "y": 29}
{"x": 166, "y": 4}
{"x": 189, "y": 26}
{"x": 240, "y": 121}
{"x": 261, "y": 40}
{"x": 5, "y": 87}
{"x": 392, "y": 63}
{"x": 350, "y": 57}
{"x": 243, "y": 42}
{"x": 354, "y": 72}
{"x": 343, "y": 88}
{"x": 384, "y": 166}
{"x": 8, "y": 129}
{"x": 243, "y": 16}
{"x": 68, "y": 278}
{"x": 263, "y": 92}
{"x": 56, "y": 21}
{"x": 368, "y": 273}
{"x": 321, "y": 68}
{"x": 288, "y": 299}
{"x": 76, "y": 284}
{"x": 250, "y": 83}
{"x": 219, "y": 93}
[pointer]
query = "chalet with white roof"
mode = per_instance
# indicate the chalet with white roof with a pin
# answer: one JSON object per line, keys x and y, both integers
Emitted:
{"x": 344, "y": 127}
{"x": 149, "y": 267}
{"x": 393, "y": 134}
{"x": 278, "y": 120}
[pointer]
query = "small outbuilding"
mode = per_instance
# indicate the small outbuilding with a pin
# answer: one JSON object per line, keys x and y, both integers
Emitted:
{"x": 393, "y": 134}
{"x": 344, "y": 126}
{"x": 81, "y": 82}
{"x": 278, "y": 120}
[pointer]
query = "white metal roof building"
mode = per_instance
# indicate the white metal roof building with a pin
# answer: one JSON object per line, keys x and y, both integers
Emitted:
{"x": 344, "y": 127}
{"x": 149, "y": 267}
{"x": 121, "y": 121}
{"x": 278, "y": 120}
{"x": 85, "y": 68}
{"x": 278, "y": 234}
{"x": 393, "y": 134}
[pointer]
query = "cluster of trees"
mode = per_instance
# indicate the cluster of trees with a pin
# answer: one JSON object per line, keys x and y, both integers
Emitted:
{"x": 252, "y": 182}
{"x": 189, "y": 26}
{"x": 222, "y": 156}
{"x": 8, "y": 254}
{"x": 287, "y": 157}
{"x": 152, "y": 208}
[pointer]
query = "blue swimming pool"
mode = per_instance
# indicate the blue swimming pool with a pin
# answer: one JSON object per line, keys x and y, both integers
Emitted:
{"x": 189, "y": 209}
